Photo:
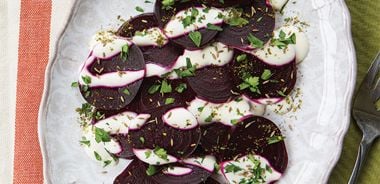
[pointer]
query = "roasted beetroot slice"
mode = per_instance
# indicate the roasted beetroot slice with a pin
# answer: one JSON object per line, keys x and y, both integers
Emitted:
{"x": 164, "y": 17}
{"x": 226, "y": 3}
{"x": 126, "y": 147}
{"x": 214, "y": 84}
{"x": 261, "y": 25}
{"x": 165, "y": 55}
{"x": 215, "y": 138}
{"x": 211, "y": 180}
{"x": 177, "y": 142}
{"x": 198, "y": 175}
{"x": 105, "y": 98}
{"x": 280, "y": 84}
{"x": 139, "y": 23}
{"x": 252, "y": 136}
{"x": 133, "y": 174}
{"x": 151, "y": 103}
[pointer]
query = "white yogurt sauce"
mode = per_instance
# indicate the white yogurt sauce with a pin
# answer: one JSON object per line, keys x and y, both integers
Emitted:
{"x": 121, "y": 123}
{"x": 150, "y": 37}
{"x": 247, "y": 165}
{"x": 111, "y": 79}
{"x": 148, "y": 156}
{"x": 106, "y": 44}
{"x": 177, "y": 171}
{"x": 228, "y": 113}
{"x": 180, "y": 118}
{"x": 275, "y": 56}
{"x": 217, "y": 54}
{"x": 302, "y": 43}
{"x": 99, "y": 151}
{"x": 175, "y": 28}
{"x": 278, "y": 4}
{"x": 207, "y": 162}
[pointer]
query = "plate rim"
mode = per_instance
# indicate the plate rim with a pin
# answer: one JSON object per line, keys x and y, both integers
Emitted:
{"x": 42, "y": 113}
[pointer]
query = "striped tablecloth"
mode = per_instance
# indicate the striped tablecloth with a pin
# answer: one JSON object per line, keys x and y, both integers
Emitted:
{"x": 29, "y": 30}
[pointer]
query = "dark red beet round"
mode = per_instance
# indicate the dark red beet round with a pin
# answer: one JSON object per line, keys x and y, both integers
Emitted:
{"x": 215, "y": 138}
{"x": 105, "y": 98}
{"x": 126, "y": 147}
{"x": 261, "y": 25}
{"x": 251, "y": 136}
{"x": 214, "y": 84}
{"x": 164, "y": 17}
{"x": 164, "y": 55}
{"x": 197, "y": 175}
{"x": 178, "y": 143}
{"x": 280, "y": 84}
{"x": 152, "y": 103}
{"x": 211, "y": 180}
{"x": 133, "y": 174}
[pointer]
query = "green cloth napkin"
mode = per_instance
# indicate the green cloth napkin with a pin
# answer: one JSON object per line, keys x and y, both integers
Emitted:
{"x": 365, "y": 16}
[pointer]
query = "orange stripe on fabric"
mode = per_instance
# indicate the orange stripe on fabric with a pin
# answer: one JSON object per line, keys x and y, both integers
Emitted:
{"x": 33, "y": 57}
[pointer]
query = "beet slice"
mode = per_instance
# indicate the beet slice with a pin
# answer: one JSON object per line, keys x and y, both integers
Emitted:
{"x": 261, "y": 25}
{"x": 127, "y": 151}
{"x": 155, "y": 133}
{"x": 164, "y": 16}
{"x": 280, "y": 84}
{"x": 198, "y": 175}
{"x": 134, "y": 173}
{"x": 211, "y": 180}
{"x": 213, "y": 84}
{"x": 164, "y": 55}
{"x": 251, "y": 136}
{"x": 105, "y": 98}
{"x": 152, "y": 103}
{"x": 215, "y": 138}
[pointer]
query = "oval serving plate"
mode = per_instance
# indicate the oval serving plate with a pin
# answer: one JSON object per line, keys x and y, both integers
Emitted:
{"x": 314, "y": 133}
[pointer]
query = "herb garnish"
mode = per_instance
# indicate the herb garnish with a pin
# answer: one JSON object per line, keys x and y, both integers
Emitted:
{"x": 241, "y": 57}
{"x": 167, "y": 4}
{"x": 127, "y": 92}
{"x": 161, "y": 153}
{"x": 255, "y": 42}
{"x": 147, "y": 153}
{"x": 189, "y": 71}
{"x": 86, "y": 79}
{"x": 154, "y": 88}
{"x": 124, "y": 52}
{"x": 97, "y": 156}
{"x": 181, "y": 88}
{"x": 169, "y": 101}
{"x": 151, "y": 170}
{"x": 266, "y": 74}
{"x": 196, "y": 37}
{"x": 139, "y": 9}
{"x": 283, "y": 41}
{"x": 234, "y": 18}
{"x": 232, "y": 168}
{"x": 106, "y": 163}
{"x": 101, "y": 135}
{"x": 190, "y": 19}
{"x": 74, "y": 84}
{"x": 275, "y": 139}
{"x": 252, "y": 83}
{"x": 165, "y": 87}
{"x": 214, "y": 27}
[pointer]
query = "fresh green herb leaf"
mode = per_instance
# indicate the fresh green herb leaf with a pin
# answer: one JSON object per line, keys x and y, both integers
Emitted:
{"x": 214, "y": 27}
{"x": 275, "y": 139}
{"x": 267, "y": 74}
{"x": 161, "y": 153}
{"x": 221, "y": 1}
{"x": 124, "y": 52}
{"x": 234, "y": 121}
{"x": 154, "y": 88}
{"x": 237, "y": 21}
{"x": 85, "y": 142}
{"x": 200, "y": 109}
{"x": 190, "y": 19}
{"x": 241, "y": 57}
{"x": 169, "y": 101}
{"x": 101, "y": 135}
{"x": 142, "y": 140}
{"x": 196, "y": 37}
{"x": 74, "y": 84}
{"x": 139, "y": 9}
{"x": 148, "y": 153}
{"x": 281, "y": 93}
{"x": 234, "y": 17}
{"x": 283, "y": 41}
{"x": 97, "y": 156}
{"x": 210, "y": 117}
{"x": 146, "y": 1}
{"x": 252, "y": 83}
{"x": 106, "y": 163}
{"x": 165, "y": 87}
{"x": 181, "y": 88}
{"x": 232, "y": 168}
{"x": 127, "y": 92}
{"x": 86, "y": 79}
{"x": 255, "y": 42}
{"x": 151, "y": 170}
{"x": 186, "y": 72}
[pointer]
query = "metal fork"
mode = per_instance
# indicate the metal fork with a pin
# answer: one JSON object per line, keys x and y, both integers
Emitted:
{"x": 366, "y": 115}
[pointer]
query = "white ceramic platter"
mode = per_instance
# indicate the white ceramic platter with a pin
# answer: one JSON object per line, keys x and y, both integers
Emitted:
{"x": 314, "y": 133}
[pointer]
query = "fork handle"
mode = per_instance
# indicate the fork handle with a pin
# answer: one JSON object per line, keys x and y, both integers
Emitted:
{"x": 364, "y": 147}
